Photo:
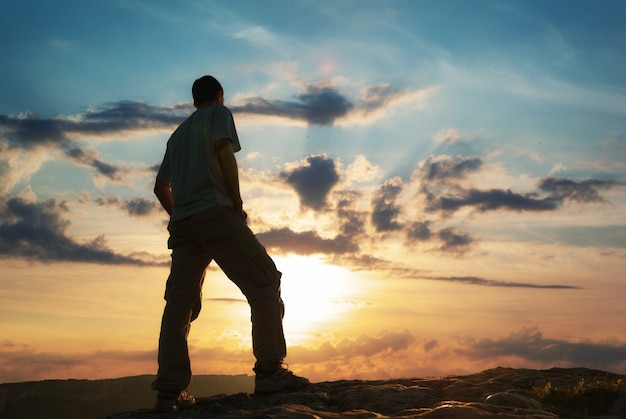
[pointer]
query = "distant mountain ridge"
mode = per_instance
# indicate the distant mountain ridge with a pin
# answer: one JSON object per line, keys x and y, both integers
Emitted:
{"x": 85, "y": 399}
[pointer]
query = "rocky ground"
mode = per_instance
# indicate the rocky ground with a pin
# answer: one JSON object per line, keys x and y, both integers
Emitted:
{"x": 497, "y": 393}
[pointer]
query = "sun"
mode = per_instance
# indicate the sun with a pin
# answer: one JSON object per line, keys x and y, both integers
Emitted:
{"x": 314, "y": 293}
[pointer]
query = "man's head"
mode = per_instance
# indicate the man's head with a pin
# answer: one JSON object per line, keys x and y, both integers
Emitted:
{"x": 207, "y": 90}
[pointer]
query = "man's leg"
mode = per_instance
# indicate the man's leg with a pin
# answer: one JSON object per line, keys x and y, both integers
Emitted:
{"x": 245, "y": 261}
{"x": 182, "y": 295}
{"x": 249, "y": 266}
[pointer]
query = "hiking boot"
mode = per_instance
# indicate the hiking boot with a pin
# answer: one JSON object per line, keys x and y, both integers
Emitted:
{"x": 172, "y": 402}
{"x": 281, "y": 379}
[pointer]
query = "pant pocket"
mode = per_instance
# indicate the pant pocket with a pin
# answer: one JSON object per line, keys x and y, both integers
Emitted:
{"x": 260, "y": 264}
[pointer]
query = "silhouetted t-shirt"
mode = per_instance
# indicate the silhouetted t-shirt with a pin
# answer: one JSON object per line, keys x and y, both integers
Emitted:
{"x": 190, "y": 163}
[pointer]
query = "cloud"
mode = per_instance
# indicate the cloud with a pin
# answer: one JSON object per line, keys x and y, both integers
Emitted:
{"x": 362, "y": 346}
{"x": 443, "y": 168}
{"x": 137, "y": 207}
{"x": 454, "y": 241}
{"x": 493, "y": 199}
{"x": 306, "y": 242}
{"x": 20, "y": 363}
{"x": 558, "y": 167}
{"x": 86, "y": 157}
{"x": 27, "y": 140}
{"x": 323, "y": 104}
{"x": 37, "y": 231}
{"x": 312, "y": 180}
{"x": 351, "y": 221}
{"x": 141, "y": 207}
{"x": 448, "y": 135}
{"x": 585, "y": 191}
{"x": 529, "y": 343}
{"x": 316, "y": 106}
{"x": 472, "y": 280}
{"x": 419, "y": 230}
{"x": 443, "y": 183}
{"x": 384, "y": 209}
{"x": 28, "y": 130}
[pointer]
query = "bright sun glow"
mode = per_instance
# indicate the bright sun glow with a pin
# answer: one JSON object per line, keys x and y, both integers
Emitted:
{"x": 314, "y": 293}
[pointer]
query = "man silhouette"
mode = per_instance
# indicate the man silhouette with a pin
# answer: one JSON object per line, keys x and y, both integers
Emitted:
{"x": 198, "y": 185}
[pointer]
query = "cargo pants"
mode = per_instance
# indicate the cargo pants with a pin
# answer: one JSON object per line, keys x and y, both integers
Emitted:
{"x": 217, "y": 234}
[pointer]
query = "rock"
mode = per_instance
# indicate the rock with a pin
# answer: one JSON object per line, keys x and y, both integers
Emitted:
{"x": 502, "y": 393}
{"x": 512, "y": 400}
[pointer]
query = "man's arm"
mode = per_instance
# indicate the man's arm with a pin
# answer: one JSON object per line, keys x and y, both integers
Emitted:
{"x": 164, "y": 193}
{"x": 228, "y": 166}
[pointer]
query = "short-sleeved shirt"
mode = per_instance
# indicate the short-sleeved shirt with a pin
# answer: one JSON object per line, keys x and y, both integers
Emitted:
{"x": 190, "y": 163}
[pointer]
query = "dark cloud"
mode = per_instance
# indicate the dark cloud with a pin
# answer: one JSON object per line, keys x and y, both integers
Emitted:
{"x": 473, "y": 280}
{"x": 89, "y": 158}
{"x": 140, "y": 206}
{"x": 108, "y": 200}
{"x": 384, "y": 208}
{"x": 583, "y": 192}
{"x": 305, "y": 242}
{"x": 447, "y": 168}
{"x": 37, "y": 231}
{"x": 454, "y": 241}
{"x": 351, "y": 221}
{"x": 132, "y": 115}
{"x": 322, "y": 105}
{"x": 442, "y": 191}
{"x": 419, "y": 230}
{"x": 28, "y": 130}
{"x": 530, "y": 344}
{"x": 317, "y": 106}
{"x": 493, "y": 199}
{"x": 313, "y": 180}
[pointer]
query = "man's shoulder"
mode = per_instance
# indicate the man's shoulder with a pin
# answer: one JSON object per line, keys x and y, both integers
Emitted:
{"x": 222, "y": 110}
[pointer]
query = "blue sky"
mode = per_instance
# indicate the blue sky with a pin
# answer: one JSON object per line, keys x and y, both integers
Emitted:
{"x": 444, "y": 171}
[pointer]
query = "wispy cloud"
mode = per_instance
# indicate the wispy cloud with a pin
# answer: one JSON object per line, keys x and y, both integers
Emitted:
{"x": 472, "y": 280}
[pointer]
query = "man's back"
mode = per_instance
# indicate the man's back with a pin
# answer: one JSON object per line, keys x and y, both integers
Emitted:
{"x": 190, "y": 164}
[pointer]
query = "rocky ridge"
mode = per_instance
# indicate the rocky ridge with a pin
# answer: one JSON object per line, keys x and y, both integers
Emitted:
{"x": 497, "y": 393}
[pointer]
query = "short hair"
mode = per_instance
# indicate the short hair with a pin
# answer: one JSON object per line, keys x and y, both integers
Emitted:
{"x": 205, "y": 89}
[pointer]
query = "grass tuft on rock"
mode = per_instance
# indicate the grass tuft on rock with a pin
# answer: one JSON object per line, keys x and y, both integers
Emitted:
{"x": 580, "y": 400}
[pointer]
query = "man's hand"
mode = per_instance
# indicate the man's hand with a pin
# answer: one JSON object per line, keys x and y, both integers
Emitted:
{"x": 164, "y": 193}
{"x": 228, "y": 166}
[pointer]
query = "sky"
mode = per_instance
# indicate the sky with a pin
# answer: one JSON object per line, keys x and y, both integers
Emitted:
{"x": 441, "y": 183}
